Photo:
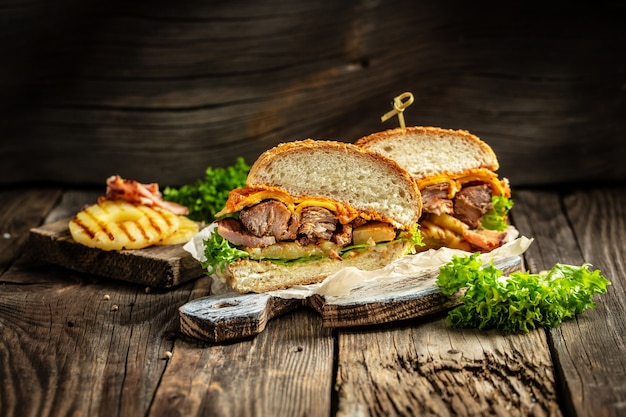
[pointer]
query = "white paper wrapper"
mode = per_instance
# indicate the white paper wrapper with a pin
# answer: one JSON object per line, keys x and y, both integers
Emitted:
{"x": 342, "y": 282}
{"x": 196, "y": 245}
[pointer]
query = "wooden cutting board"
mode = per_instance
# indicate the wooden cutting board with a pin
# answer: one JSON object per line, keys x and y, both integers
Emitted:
{"x": 219, "y": 318}
{"x": 155, "y": 266}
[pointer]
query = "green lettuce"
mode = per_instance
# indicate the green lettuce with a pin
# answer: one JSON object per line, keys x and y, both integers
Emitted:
{"x": 219, "y": 253}
{"x": 208, "y": 196}
{"x": 495, "y": 219}
{"x": 519, "y": 302}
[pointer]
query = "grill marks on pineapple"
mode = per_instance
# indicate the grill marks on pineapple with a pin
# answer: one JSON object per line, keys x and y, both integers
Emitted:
{"x": 91, "y": 232}
{"x": 117, "y": 225}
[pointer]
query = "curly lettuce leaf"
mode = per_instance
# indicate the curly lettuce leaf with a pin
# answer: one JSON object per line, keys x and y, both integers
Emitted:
{"x": 496, "y": 218}
{"x": 208, "y": 196}
{"x": 520, "y": 302}
{"x": 415, "y": 235}
{"x": 219, "y": 253}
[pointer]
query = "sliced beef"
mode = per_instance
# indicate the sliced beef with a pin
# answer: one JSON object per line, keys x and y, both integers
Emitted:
{"x": 270, "y": 218}
{"x": 317, "y": 223}
{"x": 234, "y": 231}
{"x": 435, "y": 199}
{"x": 471, "y": 203}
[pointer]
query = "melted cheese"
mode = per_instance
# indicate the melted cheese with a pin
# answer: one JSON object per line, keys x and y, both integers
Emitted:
{"x": 249, "y": 196}
{"x": 316, "y": 202}
{"x": 456, "y": 181}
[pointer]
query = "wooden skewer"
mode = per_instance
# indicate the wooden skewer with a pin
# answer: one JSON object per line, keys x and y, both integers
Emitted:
{"x": 400, "y": 103}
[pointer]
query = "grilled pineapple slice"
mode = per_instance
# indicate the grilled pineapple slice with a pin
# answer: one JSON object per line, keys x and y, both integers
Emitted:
{"x": 186, "y": 230}
{"x": 118, "y": 225}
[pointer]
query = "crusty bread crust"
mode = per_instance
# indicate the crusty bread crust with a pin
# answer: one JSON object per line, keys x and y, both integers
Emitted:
{"x": 247, "y": 276}
{"x": 344, "y": 172}
{"x": 426, "y": 151}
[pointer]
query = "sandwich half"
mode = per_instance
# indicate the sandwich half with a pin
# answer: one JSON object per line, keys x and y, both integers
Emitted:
{"x": 465, "y": 204}
{"x": 309, "y": 209}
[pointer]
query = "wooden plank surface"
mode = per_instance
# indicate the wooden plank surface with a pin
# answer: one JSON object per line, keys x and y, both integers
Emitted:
{"x": 428, "y": 369}
{"x": 69, "y": 351}
{"x": 21, "y": 210}
{"x": 63, "y": 342}
{"x": 158, "y": 266}
{"x": 66, "y": 349}
{"x": 158, "y": 92}
{"x": 584, "y": 225}
{"x": 285, "y": 371}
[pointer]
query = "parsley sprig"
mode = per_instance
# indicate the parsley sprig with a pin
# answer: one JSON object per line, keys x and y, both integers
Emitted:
{"x": 520, "y": 302}
{"x": 208, "y": 196}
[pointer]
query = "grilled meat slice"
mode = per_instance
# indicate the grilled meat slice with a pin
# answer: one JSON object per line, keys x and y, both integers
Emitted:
{"x": 317, "y": 223}
{"x": 343, "y": 235}
{"x": 234, "y": 231}
{"x": 270, "y": 218}
{"x": 435, "y": 199}
{"x": 471, "y": 203}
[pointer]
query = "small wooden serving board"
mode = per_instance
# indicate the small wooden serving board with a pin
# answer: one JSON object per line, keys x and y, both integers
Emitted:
{"x": 219, "y": 318}
{"x": 155, "y": 266}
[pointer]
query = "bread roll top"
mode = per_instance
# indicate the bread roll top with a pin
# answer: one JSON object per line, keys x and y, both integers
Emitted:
{"x": 427, "y": 151}
{"x": 363, "y": 179}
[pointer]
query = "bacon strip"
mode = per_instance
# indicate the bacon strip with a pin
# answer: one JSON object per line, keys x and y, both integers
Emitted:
{"x": 485, "y": 240}
{"x": 137, "y": 193}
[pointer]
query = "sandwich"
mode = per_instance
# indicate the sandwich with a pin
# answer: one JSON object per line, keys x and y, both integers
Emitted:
{"x": 465, "y": 203}
{"x": 308, "y": 209}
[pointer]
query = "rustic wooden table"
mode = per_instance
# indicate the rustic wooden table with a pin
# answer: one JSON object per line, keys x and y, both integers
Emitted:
{"x": 65, "y": 349}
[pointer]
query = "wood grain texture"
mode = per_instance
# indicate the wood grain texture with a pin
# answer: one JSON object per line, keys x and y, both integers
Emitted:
{"x": 72, "y": 201}
{"x": 158, "y": 92}
{"x": 158, "y": 266}
{"x": 428, "y": 369}
{"x": 66, "y": 350}
{"x": 584, "y": 226}
{"x": 286, "y": 371}
{"x": 231, "y": 316}
{"x": 21, "y": 211}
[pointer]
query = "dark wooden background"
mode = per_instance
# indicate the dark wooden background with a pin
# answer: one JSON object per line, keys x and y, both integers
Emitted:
{"x": 159, "y": 90}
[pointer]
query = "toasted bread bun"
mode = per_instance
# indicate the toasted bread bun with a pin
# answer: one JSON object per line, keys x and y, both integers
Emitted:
{"x": 247, "y": 275}
{"x": 452, "y": 158}
{"x": 354, "y": 183}
{"x": 343, "y": 172}
{"x": 426, "y": 151}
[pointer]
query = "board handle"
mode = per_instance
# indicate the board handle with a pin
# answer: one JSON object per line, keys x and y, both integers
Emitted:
{"x": 218, "y": 318}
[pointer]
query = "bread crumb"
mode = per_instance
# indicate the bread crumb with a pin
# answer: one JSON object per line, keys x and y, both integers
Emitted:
{"x": 107, "y": 297}
{"x": 114, "y": 307}
{"x": 168, "y": 355}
